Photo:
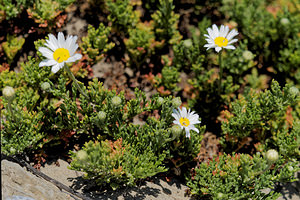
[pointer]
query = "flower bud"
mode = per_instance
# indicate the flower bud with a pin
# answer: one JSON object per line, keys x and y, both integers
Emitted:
{"x": 160, "y": 101}
{"x": 82, "y": 155}
{"x": 12, "y": 150}
{"x": 272, "y": 155}
{"x": 220, "y": 195}
{"x": 188, "y": 43}
{"x": 176, "y": 130}
{"x": 116, "y": 101}
{"x": 101, "y": 116}
{"x": 290, "y": 168}
{"x": 8, "y": 92}
{"x": 45, "y": 86}
{"x": 176, "y": 102}
{"x": 294, "y": 91}
{"x": 248, "y": 55}
{"x": 284, "y": 21}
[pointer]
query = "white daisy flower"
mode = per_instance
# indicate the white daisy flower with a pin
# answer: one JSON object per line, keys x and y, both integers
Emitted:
{"x": 59, "y": 51}
{"x": 219, "y": 39}
{"x": 186, "y": 119}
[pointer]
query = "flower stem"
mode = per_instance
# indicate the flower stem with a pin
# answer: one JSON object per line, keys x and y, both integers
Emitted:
{"x": 11, "y": 110}
{"x": 67, "y": 69}
{"x": 220, "y": 72}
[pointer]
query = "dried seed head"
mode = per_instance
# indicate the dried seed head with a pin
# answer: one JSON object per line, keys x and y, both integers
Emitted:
{"x": 8, "y": 92}
{"x": 284, "y": 21}
{"x": 176, "y": 130}
{"x": 45, "y": 86}
{"x": 188, "y": 43}
{"x": 176, "y": 102}
{"x": 272, "y": 155}
{"x": 294, "y": 91}
{"x": 116, "y": 101}
{"x": 248, "y": 55}
{"x": 82, "y": 155}
{"x": 160, "y": 101}
{"x": 101, "y": 116}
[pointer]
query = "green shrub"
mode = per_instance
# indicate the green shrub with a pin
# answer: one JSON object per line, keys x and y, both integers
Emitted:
{"x": 96, "y": 44}
{"x": 240, "y": 176}
{"x": 122, "y": 15}
{"x": 116, "y": 163}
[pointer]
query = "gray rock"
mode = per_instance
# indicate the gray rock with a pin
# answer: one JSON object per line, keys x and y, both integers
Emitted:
{"x": 17, "y": 183}
{"x": 14, "y": 197}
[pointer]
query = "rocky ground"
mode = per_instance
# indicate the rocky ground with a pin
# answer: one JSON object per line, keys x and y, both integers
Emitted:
{"x": 17, "y": 181}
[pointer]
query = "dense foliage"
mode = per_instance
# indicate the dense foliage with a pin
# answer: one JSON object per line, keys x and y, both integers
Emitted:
{"x": 118, "y": 127}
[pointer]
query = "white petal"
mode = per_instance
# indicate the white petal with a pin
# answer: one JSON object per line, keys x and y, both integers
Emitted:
{"x": 73, "y": 48}
{"x": 176, "y": 116}
{"x": 195, "y": 129}
{"x": 61, "y": 40}
{"x": 187, "y": 134}
{"x": 210, "y": 41}
{"x": 46, "y": 52}
{"x": 216, "y": 30}
{"x": 47, "y": 62}
{"x": 188, "y": 114}
{"x": 208, "y": 36}
{"x": 53, "y": 40}
{"x": 74, "y": 39}
{"x": 51, "y": 45}
{"x": 194, "y": 119}
{"x": 184, "y": 112}
{"x": 211, "y": 33}
{"x": 232, "y": 34}
{"x": 77, "y": 56}
{"x": 209, "y": 46}
{"x": 222, "y": 29}
{"x": 69, "y": 41}
{"x": 55, "y": 68}
{"x": 232, "y": 41}
{"x": 218, "y": 49}
{"x": 226, "y": 30}
{"x": 176, "y": 112}
{"x": 229, "y": 47}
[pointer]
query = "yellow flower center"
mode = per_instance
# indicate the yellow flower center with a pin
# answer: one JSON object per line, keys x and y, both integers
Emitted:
{"x": 221, "y": 41}
{"x": 61, "y": 54}
{"x": 184, "y": 121}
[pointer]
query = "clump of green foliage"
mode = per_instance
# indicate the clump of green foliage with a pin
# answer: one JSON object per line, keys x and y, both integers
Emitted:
{"x": 23, "y": 128}
{"x": 166, "y": 22}
{"x": 44, "y": 12}
{"x": 54, "y": 115}
{"x": 119, "y": 139}
{"x": 122, "y": 15}
{"x": 240, "y": 176}
{"x": 279, "y": 28}
{"x": 96, "y": 44}
{"x": 167, "y": 81}
{"x": 12, "y": 46}
{"x": 116, "y": 163}
{"x": 262, "y": 116}
{"x": 12, "y": 8}
{"x": 141, "y": 43}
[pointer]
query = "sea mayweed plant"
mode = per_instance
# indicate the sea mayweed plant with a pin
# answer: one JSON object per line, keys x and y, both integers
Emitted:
{"x": 220, "y": 39}
{"x": 118, "y": 137}
{"x": 241, "y": 176}
{"x": 186, "y": 120}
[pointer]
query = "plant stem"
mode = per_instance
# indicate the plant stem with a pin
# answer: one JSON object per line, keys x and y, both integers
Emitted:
{"x": 220, "y": 72}
{"x": 11, "y": 110}
{"x": 67, "y": 69}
